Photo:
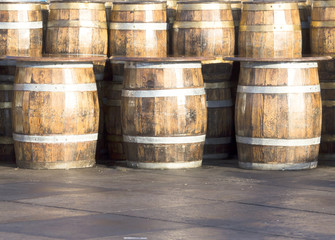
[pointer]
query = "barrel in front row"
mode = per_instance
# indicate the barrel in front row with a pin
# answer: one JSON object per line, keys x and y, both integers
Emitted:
{"x": 164, "y": 113}
{"x": 278, "y": 115}
{"x": 55, "y": 113}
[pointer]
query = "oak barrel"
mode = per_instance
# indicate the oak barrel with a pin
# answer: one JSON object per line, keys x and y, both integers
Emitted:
{"x": 163, "y": 113}
{"x": 21, "y": 28}
{"x": 278, "y": 114}
{"x": 55, "y": 113}
{"x": 270, "y": 29}
{"x": 219, "y": 142}
{"x": 305, "y": 18}
{"x": 77, "y": 27}
{"x": 203, "y": 29}
{"x": 323, "y": 27}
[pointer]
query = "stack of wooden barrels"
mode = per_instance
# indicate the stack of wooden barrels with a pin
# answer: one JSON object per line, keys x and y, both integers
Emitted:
{"x": 278, "y": 105}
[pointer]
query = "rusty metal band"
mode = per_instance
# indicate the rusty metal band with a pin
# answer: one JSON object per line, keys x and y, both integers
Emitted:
{"x": 112, "y": 103}
{"x": 138, "y": 26}
{"x": 8, "y": 63}
{"x": 6, "y": 140}
{"x": 269, "y": 28}
{"x": 223, "y": 24}
{"x": 21, "y": 25}
{"x": 278, "y": 142}
{"x": 203, "y": 6}
{"x": 278, "y": 166}
{"x": 270, "y": 7}
{"x": 164, "y": 140}
{"x": 160, "y": 165}
{"x": 327, "y": 138}
{"x": 220, "y": 104}
{"x": 21, "y": 6}
{"x": 6, "y": 87}
{"x": 139, "y": 7}
{"x": 163, "y": 93}
{"x": 114, "y": 138}
{"x": 72, "y": 23}
{"x": 322, "y": 24}
{"x": 88, "y": 87}
{"x": 327, "y": 85}
{"x": 328, "y": 103}
{"x": 172, "y": 65}
{"x": 278, "y": 89}
{"x": 54, "y": 65}
{"x": 7, "y": 78}
{"x": 218, "y": 85}
{"x": 216, "y": 141}
{"x": 305, "y": 25}
{"x": 78, "y": 5}
{"x": 279, "y": 65}
{"x": 323, "y": 4}
{"x": 5, "y": 105}
{"x": 55, "y": 138}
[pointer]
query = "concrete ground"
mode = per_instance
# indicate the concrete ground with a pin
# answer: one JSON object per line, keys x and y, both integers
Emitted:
{"x": 217, "y": 201}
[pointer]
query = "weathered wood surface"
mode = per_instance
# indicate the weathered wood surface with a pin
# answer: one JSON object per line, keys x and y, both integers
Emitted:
{"x": 278, "y": 115}
{"x": 203, "y": 29}
{"x": 21, "y": 30}
{"x": 55, "y": 114}
{"x": 323, "y": 27}
{"x": 138, "y": 29}
{"x": 76, "y": 27}
{"x": 219, "y": 142}
{"x": 270, "y": 29}
{"x": 164, "y": 114}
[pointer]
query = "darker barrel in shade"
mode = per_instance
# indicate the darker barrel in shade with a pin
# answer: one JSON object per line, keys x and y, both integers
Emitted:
{"x": 270, "y": 29}
{"x": 164, "y": 113}
{"x": 278, "y": 115}
{"x": 55, "y": 113}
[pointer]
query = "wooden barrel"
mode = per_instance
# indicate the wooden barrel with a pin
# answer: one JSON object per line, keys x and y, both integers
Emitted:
{"x": 55, "y": 113}
{"x": 7, "y": 73}
{"x": 305, "y": 18}
{"x": 278, "y": 115}
{"x": 323, "y": 27}
{"x": 77, "y": 27}
{"x": 270, "y": 29}
{"x": 219, "y": 142}
{"x": 164, "y": 113}
{"x": 138, "y": 29}
{"x": 112, "y": 108}
{"x": 45, "y": 16}
{"x": 21, "y": 29}
{"x": 327, "y": 76}
{"x": 171, "y": 10}
{"x": 203, "y": 29}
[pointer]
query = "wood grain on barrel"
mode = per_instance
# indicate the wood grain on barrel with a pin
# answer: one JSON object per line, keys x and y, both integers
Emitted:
{"x": 279, "y": 116}
{"x": 323, "y": 27}
{"x": 270, "y": 29}
{"x": 203, "y": 29}
{"x": 166, "y": 117}
{"x": 55, "y": 113}
{"x": 21, "y": 29}
{"x": 138, "y": 29}
{"x": 77, "y": 28}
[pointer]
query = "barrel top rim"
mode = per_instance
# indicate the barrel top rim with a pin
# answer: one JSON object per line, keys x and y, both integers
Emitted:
{"x": 24, "y": 2}
{"x": 162, "y": 59}
{"x": 55, "y": 58}
{"x": 269, "y": 2}
{"x": 139, "y": 2}
{"x": 207, "y": 2}
{"x": 301, "y": 59}
{"x": 77, "y": 1}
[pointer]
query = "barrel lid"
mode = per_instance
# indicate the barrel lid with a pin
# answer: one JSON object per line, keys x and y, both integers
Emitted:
{"x": 164, "y": 59}
{"x": 306, "y": 58}
{"x": 139, "y": 2}
{"x": 55, "y": 58}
